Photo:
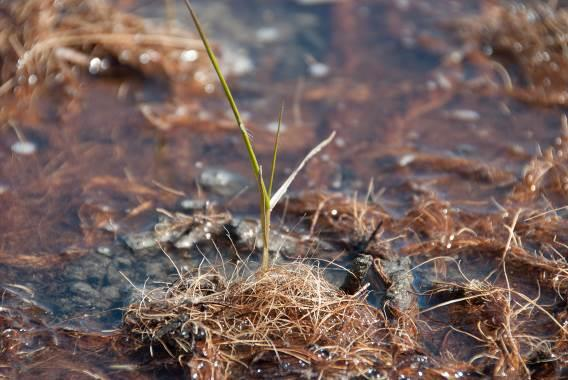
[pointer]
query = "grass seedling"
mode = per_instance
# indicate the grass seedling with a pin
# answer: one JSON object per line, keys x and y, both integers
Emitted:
{"x": 267, "y": 200}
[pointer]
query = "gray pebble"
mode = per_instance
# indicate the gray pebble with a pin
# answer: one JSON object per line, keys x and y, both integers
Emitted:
{"x": 24, "y": 148}
{"x": 140, "y": 241}
{"x": 193, "y": 204}
{"x": 155, "y": 270}
{"x": 114, "y": 276}
{"x": 105, "y": 251}
{"x": 84, "y": 290}
{"x": 123, "y": 260}
{"x": 222, "y": 182}
{"x": 111, "y": 293}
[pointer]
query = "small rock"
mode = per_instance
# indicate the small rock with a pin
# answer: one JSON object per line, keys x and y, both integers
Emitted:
{"x": 189, "y": 55}
{"x": 246, "y": 230}
{"x": 85, "y": 290}
{"x": 155, "y": 270}
{"x": 356, "y": 276}
{"x": 168, "y": 230}
{"x": 318, "y": 70}
{"x": 139, "y": 241}
{"x": 113, "y": 276}
{"x": 111, "y": 293}
{"x": 315, "y": 2}
{"x": 465, "y": 149}
{"x": 193, "y": 204}
{"x": 464, "y": 115}
{"x": 198, "y": 233}
{"x": 105, "y": 251}
{"x": 267, "y": 34}
{"x": 222, "y": 182}
{"x": 123, "y": 261}
{"x": 193, "y": 237}
{"x": 24, "y": 148}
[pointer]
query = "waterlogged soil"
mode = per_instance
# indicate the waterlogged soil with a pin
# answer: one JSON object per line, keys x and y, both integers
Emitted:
{"x": 427, "y": 140}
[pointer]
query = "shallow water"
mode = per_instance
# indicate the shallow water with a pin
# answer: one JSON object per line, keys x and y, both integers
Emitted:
{"x": 373, "y": 71}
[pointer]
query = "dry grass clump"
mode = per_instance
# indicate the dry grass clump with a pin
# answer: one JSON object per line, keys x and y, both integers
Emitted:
{"x": 225, "y": 327}
{"x": 337, "y": 213}
{"x": 546, "y": 173}
{"x": 42, "y": 39}
{"x": 534, "y": 36}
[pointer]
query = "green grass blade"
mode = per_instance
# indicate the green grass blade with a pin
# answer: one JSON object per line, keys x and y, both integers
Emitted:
{"x": 265, "y": 227}
{"x": 229, "y": 95}
{"x": 275, "y": 151}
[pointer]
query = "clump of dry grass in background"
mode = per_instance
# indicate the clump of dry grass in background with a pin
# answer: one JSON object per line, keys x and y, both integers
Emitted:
{"x": 46, "y": 39}
{"x": 533, "y": 35}
{"x": 219, "y": 326}
{"x": 546, "y": 173}
{"x": 352, "y": 217}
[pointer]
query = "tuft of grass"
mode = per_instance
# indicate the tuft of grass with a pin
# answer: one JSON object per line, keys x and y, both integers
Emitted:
{"x": 266, "y": 199}
{"x": 218, "y": 325}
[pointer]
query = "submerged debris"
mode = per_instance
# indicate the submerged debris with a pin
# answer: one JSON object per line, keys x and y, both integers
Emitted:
{"x": 181, "y": 230}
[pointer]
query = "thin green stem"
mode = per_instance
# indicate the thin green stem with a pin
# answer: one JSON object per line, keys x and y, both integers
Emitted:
{"x": 265, "y": 227}
{"x": 275, "y": 152}
{"x": 257, "y": 170}
{"x": 232, "y": 103}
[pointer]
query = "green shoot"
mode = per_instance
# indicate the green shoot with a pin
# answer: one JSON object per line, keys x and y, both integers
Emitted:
{"x": 229, "y": 96}
{"x": 267, "y": 203}
{"x": 275, "y": 152}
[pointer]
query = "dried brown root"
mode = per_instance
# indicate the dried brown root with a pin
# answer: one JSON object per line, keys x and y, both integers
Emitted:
{"x": 42, "y": 39}
{"x": 289, "y": 317}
